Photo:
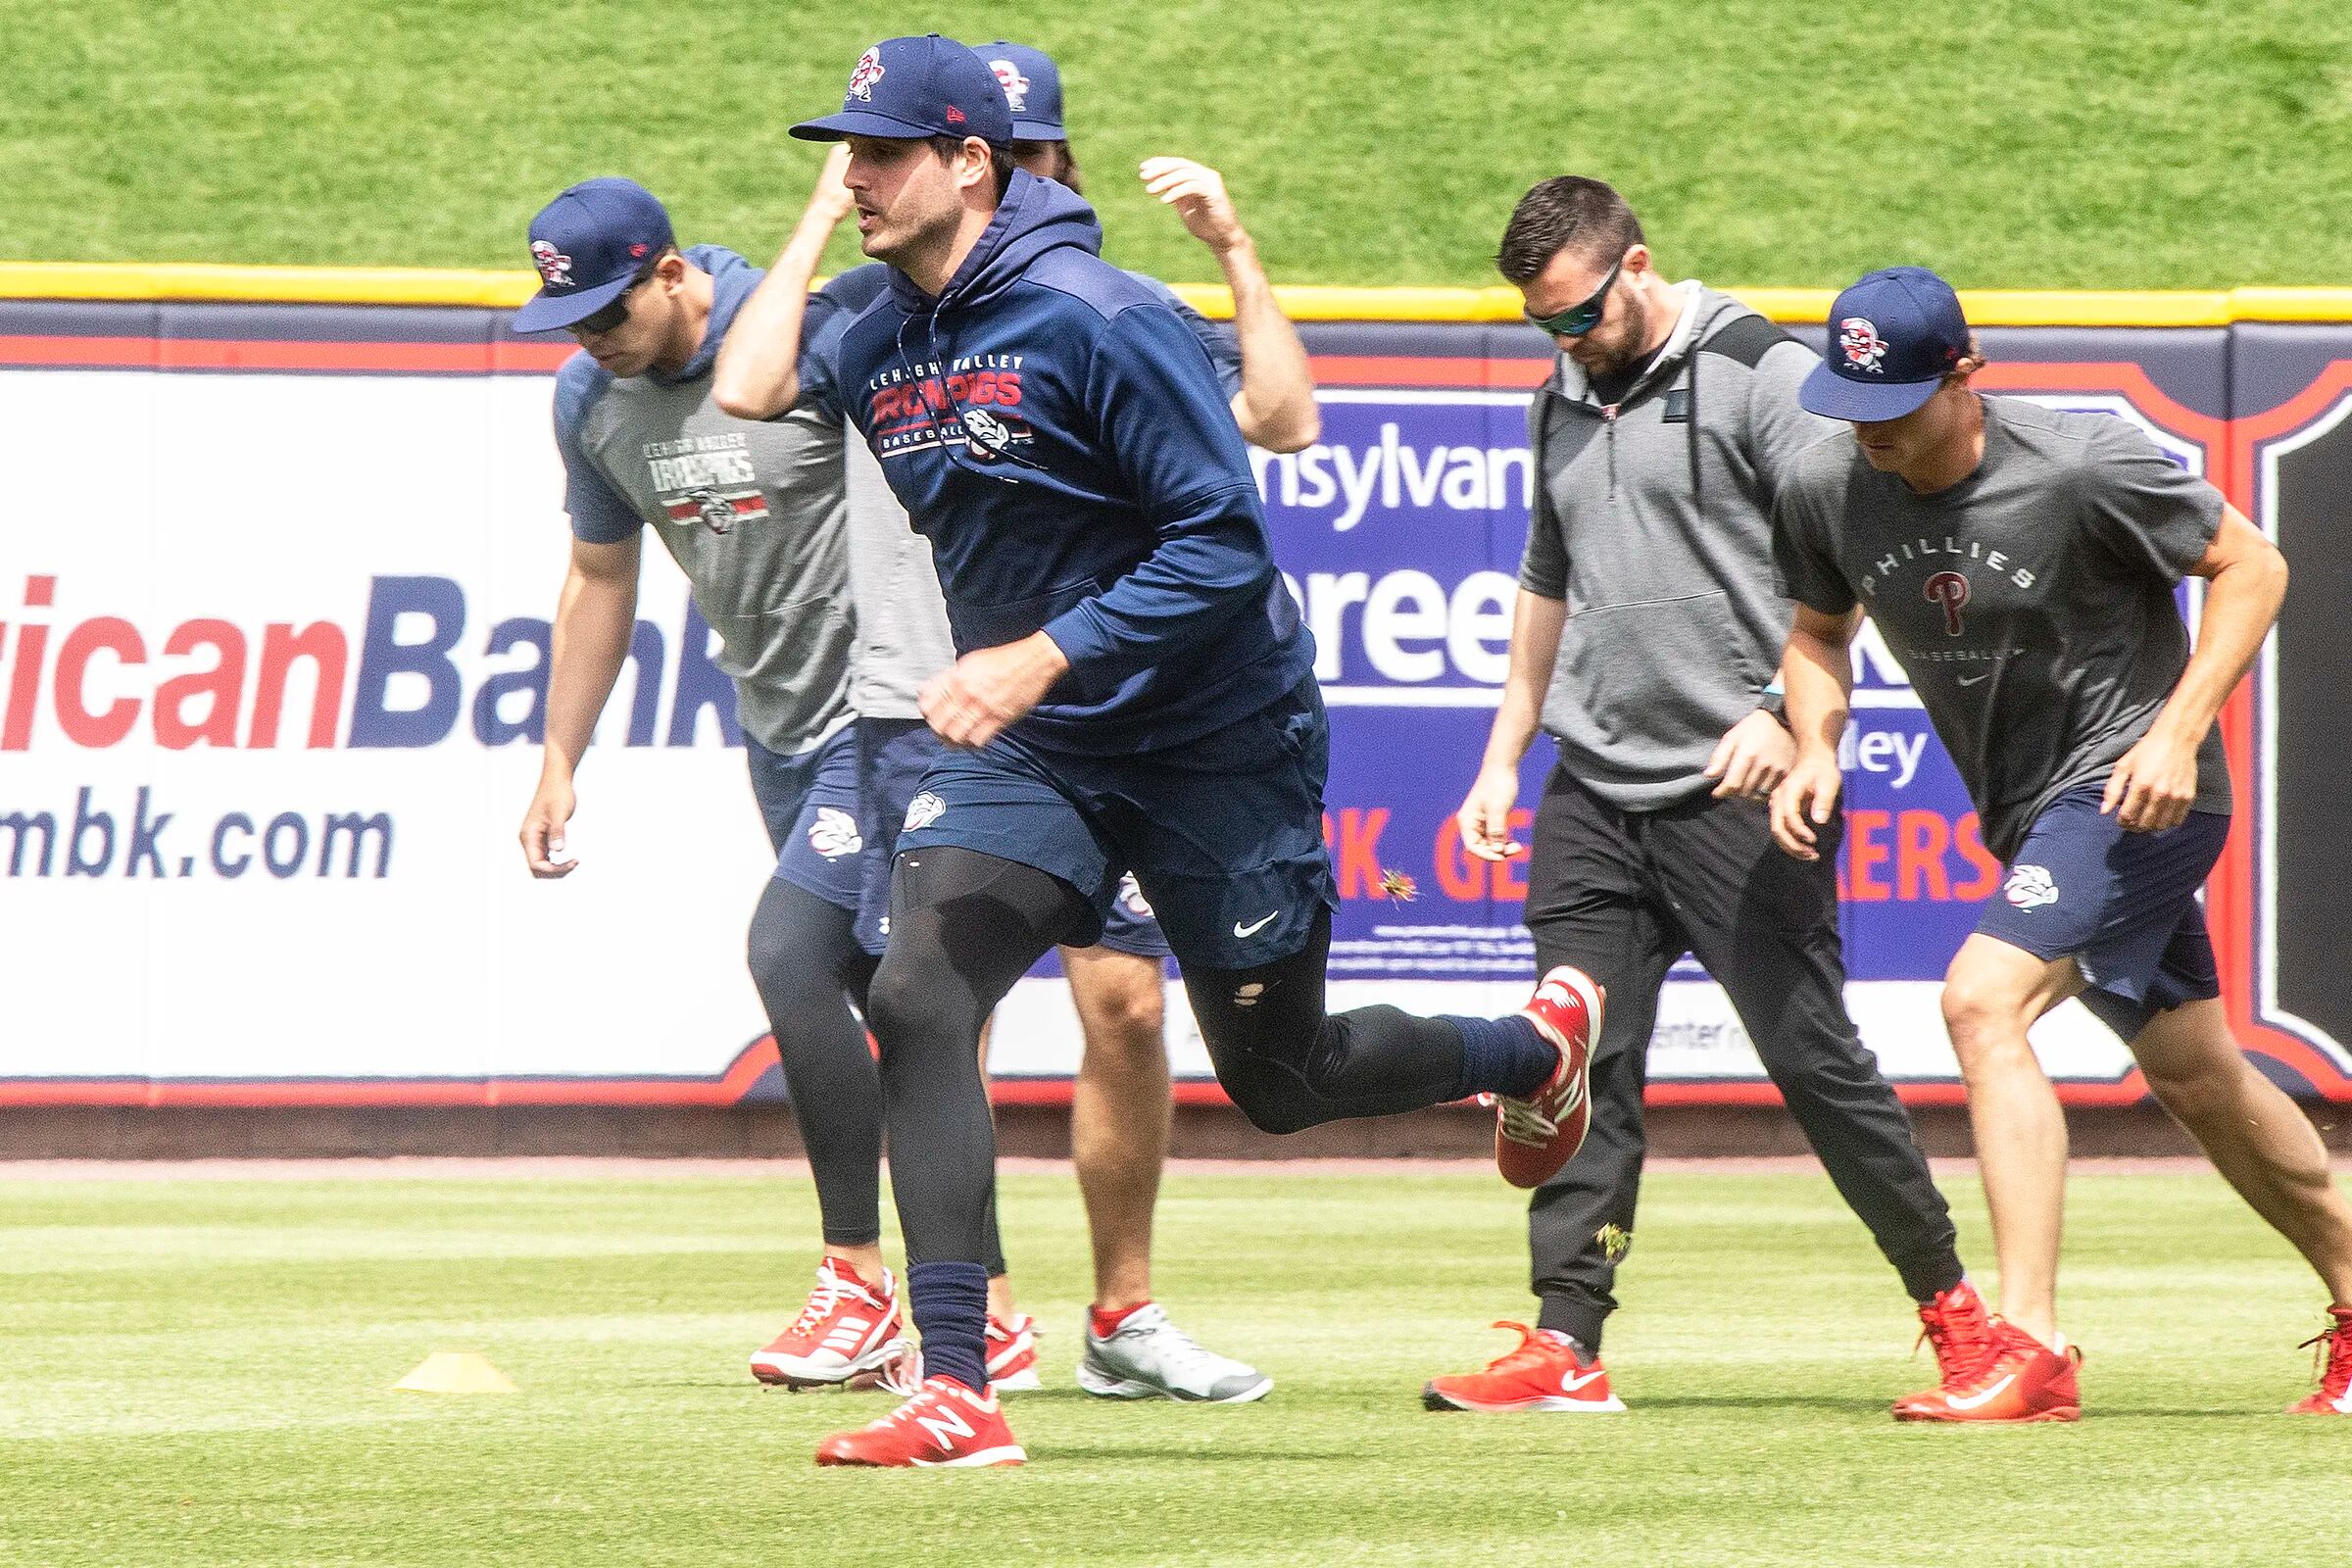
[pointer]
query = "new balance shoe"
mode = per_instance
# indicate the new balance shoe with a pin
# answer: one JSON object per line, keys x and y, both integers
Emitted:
{"x": 1960, "y": 1329}
{"x": 2333, "y": 1396}
{"x": 1149, "y": 1357}
{"x": 945, "y": 1425}
{"x": 1535, "y": 1136}
{"x": 847, "y": 1334}
{"x": 1011, "y": 1353}
{"x": 1544, "y": 1373}
{"x": 2020, "y": 1379}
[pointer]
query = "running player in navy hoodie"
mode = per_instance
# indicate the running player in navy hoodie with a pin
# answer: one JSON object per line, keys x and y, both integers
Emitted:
{"x": 1133, "y": 690}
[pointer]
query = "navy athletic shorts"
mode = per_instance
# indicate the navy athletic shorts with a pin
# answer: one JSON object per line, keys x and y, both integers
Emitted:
{"x": 810, "y": 803}
{"x": 2122, "y": 905}
{"x": 1223, "y": 833}
{"x": 893, "y": 756}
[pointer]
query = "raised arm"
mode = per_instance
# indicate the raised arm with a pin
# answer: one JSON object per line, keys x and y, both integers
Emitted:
{"x": 1276, "y": 404}
{"x": 757, "y": 375}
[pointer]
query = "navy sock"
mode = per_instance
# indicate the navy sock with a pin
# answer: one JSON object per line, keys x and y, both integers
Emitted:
{"x": 1503, "y": 1057}
{"x": 951, "y": 1314}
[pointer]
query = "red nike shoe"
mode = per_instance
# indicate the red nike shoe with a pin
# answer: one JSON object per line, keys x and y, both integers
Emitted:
{"x": 1535, "y": 1136}
{"x": 2333, "y": 1396}
{"x": 946, "y": 1426}
{"x": 1011, "y": 1353}
{"x": 2021, "y": 1379}
{"x": 846, "y": 1335}
{"x": 1544, "y": 1373}
{"x": 1960, "y": 1329}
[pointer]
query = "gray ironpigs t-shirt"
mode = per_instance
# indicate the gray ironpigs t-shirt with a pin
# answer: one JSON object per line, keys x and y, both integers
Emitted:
{"x": 752, "y": 511}
{"x": 2031, "y": 603}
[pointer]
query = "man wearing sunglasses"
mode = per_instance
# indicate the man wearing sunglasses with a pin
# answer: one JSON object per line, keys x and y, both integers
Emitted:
{"x": 753, "y": 513}
{"x": 1646, "y": 629}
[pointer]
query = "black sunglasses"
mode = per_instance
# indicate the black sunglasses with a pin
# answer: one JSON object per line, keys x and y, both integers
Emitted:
{"x": 616, "y": 309}
{"x": 1578, "y": 320}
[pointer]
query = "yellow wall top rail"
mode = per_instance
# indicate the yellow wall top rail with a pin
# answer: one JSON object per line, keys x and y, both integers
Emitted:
{"x": 504, "y": 290}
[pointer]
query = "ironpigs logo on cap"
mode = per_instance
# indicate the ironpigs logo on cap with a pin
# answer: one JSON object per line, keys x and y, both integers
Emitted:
{"x": 554, "y": 268}
{"x": 864, "y": 74}
{"x": 1016, "y": 85}
{"x": 1863, "y": 347}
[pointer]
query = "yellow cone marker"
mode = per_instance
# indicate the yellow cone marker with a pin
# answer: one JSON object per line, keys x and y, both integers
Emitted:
{"x": 455, "y": 1372}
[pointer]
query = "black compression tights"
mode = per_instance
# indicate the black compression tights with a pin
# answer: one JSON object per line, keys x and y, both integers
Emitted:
{"x": 1289, "y": 1066}
{"x": 964, "y": 926}
{"x": 806, "y": 959}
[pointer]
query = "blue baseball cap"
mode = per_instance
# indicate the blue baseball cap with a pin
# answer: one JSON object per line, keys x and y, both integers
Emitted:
{"x": 1032, "y": 85}
{"x": 1893, "y": 337}
{"x": 590, "y": 244}
{"x": 904, "y": 88}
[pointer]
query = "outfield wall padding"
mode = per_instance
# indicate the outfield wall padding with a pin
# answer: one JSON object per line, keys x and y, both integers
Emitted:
{"x": 274, "y": 581}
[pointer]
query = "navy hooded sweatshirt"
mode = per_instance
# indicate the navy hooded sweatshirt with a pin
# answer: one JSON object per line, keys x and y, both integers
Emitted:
{"x": 1055, "y": 431}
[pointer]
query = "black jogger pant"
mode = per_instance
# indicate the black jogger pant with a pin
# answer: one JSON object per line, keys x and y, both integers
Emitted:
{"x": 1622, "y": 894}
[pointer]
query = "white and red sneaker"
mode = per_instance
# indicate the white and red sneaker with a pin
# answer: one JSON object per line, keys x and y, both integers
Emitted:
{"x": 2333, "y": 1396}
{"x": 1012, "y": 1354}
{"x": 1535, "y": 1136}
{"x": 945, "y": 1425}
{"x": 1544, "y": 1373}
{"x": 2020, "y": 1379}
{"x": 846, "y": 1336}
{"x": 1959, "y": 1327}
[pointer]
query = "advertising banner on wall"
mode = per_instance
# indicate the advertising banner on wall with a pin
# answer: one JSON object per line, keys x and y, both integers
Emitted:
{"x": 274, "y": 588}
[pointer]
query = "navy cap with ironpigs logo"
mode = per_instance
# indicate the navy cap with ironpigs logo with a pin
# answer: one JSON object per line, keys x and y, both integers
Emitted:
{"x": 1893, "y": 337}
{"x": 590, "y": 244}
{"x": 904, "y": 88}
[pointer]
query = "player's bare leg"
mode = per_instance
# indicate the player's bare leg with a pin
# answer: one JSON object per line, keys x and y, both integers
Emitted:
{"x": 2253, "y": 1133}
{"x": 1119, "y": 1114}
{"x": 1992, "y": 994}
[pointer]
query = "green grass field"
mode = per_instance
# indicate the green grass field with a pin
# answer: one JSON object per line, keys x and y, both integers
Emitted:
{"x": 2023, "y": 143}
{"x": 199, "y": 1372}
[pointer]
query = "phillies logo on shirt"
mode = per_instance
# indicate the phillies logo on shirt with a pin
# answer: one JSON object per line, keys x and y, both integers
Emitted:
{"x": 1864, "y": 349}
{"x": 1016, "y": 85}
{"x": 1951, "y": 590}
{"x": 864, "y": 74}
{"x": 554, "y": 268}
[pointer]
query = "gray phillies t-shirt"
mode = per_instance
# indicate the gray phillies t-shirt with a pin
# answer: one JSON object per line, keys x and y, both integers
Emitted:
{"x": 2031, "y": 603}
{"x": 752, "y": 511}
{"x": 903, "y": 637}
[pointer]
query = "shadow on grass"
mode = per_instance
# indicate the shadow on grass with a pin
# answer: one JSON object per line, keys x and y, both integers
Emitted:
{"x": 1761, "y": 1401}
{"x": 1193, "y": 1453}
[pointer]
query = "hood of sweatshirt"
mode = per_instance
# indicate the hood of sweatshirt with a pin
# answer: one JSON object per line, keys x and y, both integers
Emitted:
{"x": 1036, "y": 216}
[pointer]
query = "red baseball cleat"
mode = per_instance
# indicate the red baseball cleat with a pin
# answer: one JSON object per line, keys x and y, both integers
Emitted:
{"x": 2333, "y": 1397}
{"x": 2018, "y": 1379}
{"x": 1535, "y": 1136}
{"x": 846, "y": 1336}
{"x": 944, "y": 1426}
{"x": 1011, "y": 1353}
{"x": 1960, "y": 1329}
{"x": 1544, "y": 1373}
